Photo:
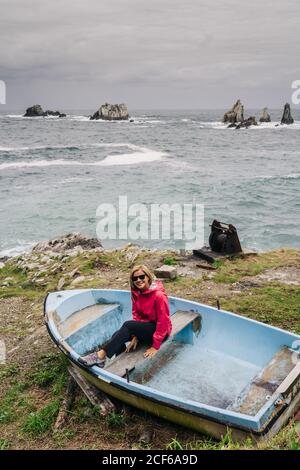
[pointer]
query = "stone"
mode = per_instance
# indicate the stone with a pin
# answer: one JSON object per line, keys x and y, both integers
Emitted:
{"x": 287, "y": 115}
{"x": 61, "y": 283}
{"x": 77, "y": 280}
{"x": 265, "y": 116}
{"x": 250, "y": 121}
{"x": 166, "y": 272}
{"x": 235, "y": 114}
{"x": 2, "y": 265}
{"x": 111, "y": 112}
{"x": 70, "y": 243}
{"x": 34, "y": 111}
{"x": 37, "y": 111}
{"x": 74, "y": 272}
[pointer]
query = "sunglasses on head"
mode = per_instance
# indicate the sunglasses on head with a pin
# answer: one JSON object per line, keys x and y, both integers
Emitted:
{"x": 142, "y": 277}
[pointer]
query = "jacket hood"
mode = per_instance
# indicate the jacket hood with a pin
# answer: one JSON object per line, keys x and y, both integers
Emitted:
{"x": 155, "y": 286}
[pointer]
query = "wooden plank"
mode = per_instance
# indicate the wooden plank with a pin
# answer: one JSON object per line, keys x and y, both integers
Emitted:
{"x": 180, "y": 320}
{"x": 290, "y": 380}
{"x": 95, "y": 396}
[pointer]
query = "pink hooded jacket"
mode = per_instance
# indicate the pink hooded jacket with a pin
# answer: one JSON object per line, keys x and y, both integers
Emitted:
{"x": 152, "y": 306}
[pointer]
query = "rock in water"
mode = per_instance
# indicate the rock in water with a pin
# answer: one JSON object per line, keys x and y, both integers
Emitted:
{"x": 265, "y": 116}
{"x": 250, "y": 121}
{"x": 111, "y": 112}
{"x": 34, "y": 111}
{"x": 37, "y": 111}
{"x": 235, "y": 114}
{"x": 287, "y": 116}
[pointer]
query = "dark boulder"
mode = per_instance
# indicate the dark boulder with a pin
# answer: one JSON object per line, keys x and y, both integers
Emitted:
{"x": 287, "y": 115}
{"x": 34, "y": 111}
{"x": 250, "y": 121}
{"x": 37, "y": 111}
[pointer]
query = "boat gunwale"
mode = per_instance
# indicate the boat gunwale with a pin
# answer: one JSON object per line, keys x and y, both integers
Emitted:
{"x": 258, "y": 424}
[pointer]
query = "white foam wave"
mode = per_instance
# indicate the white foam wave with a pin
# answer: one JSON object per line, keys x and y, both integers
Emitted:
{"x": 80, "y": 146}
{"x": 17, "y": 250}
{"x": 139, "y": 155}
{"x": 144, "y": 156}
{"x": 273, "y": 177}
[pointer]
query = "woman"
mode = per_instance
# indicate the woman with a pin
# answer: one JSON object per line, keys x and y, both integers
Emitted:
{"x": 151, "y": 319}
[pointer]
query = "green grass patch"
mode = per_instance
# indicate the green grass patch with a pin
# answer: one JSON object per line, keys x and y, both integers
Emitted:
{"x": 115, "y": 420}
{"x": 170, "y": 261}
{"x": 9, "y": 370}
{"x": 4, "y": 444}
{"x": 276, "y": 305}
{"x": 40, "y": 422}
{"x": 10, "y": 402}
{"x": 51, "y": 369}
{"x": 231, "y": 271}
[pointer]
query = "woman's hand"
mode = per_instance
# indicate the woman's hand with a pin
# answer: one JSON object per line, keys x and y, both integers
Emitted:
{"x": 150, "y": 352}
{"x": 132, "y": 345}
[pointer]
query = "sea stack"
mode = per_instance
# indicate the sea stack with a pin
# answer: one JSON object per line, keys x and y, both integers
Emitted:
{"x": 37, "y": 111}
{"x": 235, "y": 114}
{"x": 34, "y": 111}
{"x": 287, "y": 116}
{"x": 111, "y": 112}
{"x": 265, "y": 116}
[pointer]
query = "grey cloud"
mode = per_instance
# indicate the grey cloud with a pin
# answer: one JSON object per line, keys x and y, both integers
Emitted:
{"x": 163, "y": 47}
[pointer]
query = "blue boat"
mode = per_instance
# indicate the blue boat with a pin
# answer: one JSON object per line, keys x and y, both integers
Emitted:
{"x": 217, "y": 372}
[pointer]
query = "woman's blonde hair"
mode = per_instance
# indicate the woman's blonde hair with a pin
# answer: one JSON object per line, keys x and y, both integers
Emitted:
{"x": 141, "y": 267}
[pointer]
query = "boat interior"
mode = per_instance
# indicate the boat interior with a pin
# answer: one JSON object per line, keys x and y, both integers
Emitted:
{"x": 212, "y": 357}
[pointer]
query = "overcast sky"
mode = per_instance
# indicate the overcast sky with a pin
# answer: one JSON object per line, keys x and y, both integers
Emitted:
{"x": 77, "y": 54}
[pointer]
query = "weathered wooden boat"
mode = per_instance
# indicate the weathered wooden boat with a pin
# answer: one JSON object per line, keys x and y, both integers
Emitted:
{"x": 217, "y": 372}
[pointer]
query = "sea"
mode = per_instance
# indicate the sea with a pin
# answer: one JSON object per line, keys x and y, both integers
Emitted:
{"x": 63, "y": 175}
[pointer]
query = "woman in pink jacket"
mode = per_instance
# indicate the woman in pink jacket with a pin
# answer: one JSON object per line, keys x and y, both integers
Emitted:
{"x": 151, "y": 322}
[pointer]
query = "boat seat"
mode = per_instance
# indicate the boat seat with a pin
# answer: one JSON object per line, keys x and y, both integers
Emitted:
{"x": 181, "y": 320}
{"x": 253, "y": 397}
{"x": 86, "y": 329}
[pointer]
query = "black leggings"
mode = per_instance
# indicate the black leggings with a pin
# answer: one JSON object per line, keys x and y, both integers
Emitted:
{"x": 142, "y": 330}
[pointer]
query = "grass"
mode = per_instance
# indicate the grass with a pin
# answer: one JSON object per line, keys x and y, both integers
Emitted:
{"x": 4, "y": 444}
{"x": 231, "y": 271}
{"x": 276, "y": 305}
{"x": 170, "y": 261}
{"x": 115, "y": 420}
{"x": 50, "y": 369}
{"x": 38, "y": 423}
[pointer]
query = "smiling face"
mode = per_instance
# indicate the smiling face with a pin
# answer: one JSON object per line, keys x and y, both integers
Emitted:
{"x": 140, "y": 284}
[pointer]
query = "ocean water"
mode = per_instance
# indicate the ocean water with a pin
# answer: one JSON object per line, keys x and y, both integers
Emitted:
{"x": 55, "y": 172}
